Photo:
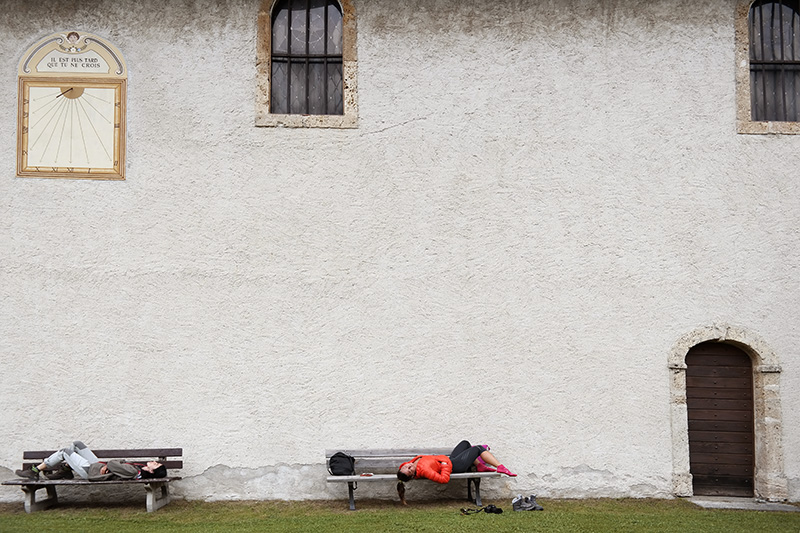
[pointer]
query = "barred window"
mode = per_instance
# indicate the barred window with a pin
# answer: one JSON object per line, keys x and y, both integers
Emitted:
{"x": 774, "y": 29}
{"x": 306, "y": 58}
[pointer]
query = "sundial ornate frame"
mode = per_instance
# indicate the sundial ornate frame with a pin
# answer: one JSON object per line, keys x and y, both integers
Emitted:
{"x": 72, "y": 109}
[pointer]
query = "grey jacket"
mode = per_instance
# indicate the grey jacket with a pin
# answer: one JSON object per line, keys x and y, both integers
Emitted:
{"x": 116, "y": 470}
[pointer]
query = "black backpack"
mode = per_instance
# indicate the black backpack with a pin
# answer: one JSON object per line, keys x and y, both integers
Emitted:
{"x": 341, "y": 464}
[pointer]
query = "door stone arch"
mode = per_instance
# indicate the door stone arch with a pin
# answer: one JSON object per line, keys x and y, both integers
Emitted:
{"x": 769, "y": 481}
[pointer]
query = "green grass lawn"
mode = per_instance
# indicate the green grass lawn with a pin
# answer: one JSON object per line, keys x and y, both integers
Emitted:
{"x": 661, "y": 516}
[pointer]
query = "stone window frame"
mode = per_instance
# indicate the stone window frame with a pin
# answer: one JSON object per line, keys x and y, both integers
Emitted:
{"x": 349, "y": 75}
{"x": 744, "y": 123}
{"x": 769, "y": 480}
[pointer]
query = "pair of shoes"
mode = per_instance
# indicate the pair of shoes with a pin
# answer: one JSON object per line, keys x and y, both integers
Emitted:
{"x": 528, "y": 503}
{"x": 503, "y": 470}
{"x": 483, "y": 467}
{"x": 28, "y": 473}
{"x": 65, "y": 472}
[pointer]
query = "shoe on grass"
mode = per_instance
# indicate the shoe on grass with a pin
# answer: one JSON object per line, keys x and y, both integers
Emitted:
{"x": 528, "y": 503}
{"x": 532, "y": 504}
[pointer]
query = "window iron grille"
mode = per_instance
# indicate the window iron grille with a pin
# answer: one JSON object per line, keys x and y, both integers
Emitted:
{"x": 775, "y": 60}
{"x": 307, "y": 74}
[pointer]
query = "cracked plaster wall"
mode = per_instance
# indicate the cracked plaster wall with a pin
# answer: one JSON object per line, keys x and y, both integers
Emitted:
{"x": 539, "y": 200}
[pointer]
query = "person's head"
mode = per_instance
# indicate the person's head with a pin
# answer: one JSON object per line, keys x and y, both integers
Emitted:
{"x": 407, "y": 471}
{"x": 154, "y": 469}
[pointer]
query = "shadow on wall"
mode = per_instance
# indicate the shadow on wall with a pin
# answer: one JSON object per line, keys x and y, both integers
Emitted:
{"x": 303, "y": 482}
{"x": 9, "y": 494}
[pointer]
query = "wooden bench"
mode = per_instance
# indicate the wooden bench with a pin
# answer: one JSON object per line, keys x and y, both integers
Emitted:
{"x": 157, "y": 488}
{"x": 383, "y": 465}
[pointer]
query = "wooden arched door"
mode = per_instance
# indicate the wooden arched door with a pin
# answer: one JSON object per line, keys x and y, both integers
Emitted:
{"x": 719, "y": 397}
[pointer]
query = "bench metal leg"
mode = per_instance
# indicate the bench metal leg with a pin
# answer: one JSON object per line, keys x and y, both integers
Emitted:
{"x": 31, "y": 505}
{"x": 477, "y": 482}
{"x": 154, "y": 500}
{"x": 350, "y": 489}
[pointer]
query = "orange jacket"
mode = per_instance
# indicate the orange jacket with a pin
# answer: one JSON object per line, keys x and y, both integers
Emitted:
{"x": 434, "y": 467}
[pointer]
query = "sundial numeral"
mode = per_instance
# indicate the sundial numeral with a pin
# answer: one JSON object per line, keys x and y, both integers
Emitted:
{"x": 116, "y": 163}
{"x": 25, "y": 114}
{"x": 55, "y": 169}
{"x": 24, "y": 129}
{"x": 26, "y": 101}
{"x": 116, "y": 125}
{"x": 70, "y": 169}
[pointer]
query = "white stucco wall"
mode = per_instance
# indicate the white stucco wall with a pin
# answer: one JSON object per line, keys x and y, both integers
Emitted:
{"x": 539, "y": 200}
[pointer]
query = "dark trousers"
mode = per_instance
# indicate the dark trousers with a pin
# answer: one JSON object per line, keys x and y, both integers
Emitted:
{"x": 463, "y": 455}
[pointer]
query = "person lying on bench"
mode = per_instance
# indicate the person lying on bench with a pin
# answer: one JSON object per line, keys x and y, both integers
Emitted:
{"x": 439, "y": 467}
{"x": 79, "y": 459}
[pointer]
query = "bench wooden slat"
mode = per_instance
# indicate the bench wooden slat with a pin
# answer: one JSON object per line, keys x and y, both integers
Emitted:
{"x": 379, "y": 464}
{"x": 78, "y": 481}
{"x": 393, "y": 477}
{"x": 391, "y": 452}
{"x": 386, "y": 460}
{"x": 114, "y": 454}
{"x": 135, "y": 455}
{"x": 170, "y": 464}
